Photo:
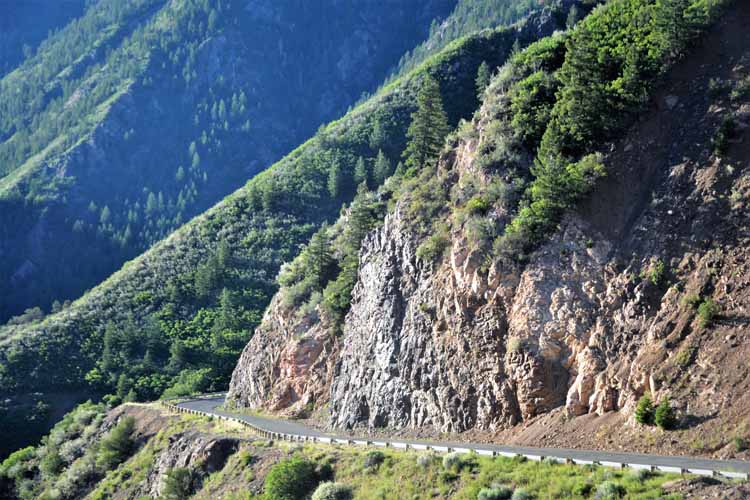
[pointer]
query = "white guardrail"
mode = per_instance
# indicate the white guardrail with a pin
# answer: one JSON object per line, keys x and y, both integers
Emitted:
{"x": 466, "y": 449}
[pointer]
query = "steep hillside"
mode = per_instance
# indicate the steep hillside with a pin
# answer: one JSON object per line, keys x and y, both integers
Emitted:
{"x": 141, "y": 114}
{"x": 178, "y": 316}
{"x": 26, "y": 23}
{"x": 139, "y": 451}
{"x": 581, "y": 243}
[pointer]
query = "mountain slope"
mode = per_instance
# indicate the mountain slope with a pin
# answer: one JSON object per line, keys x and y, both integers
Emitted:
{"x": 179, "y": 315}
{"x": 26, "y": 23}
{"x": 141, "y": 114}
{"x": 465, "y": 318}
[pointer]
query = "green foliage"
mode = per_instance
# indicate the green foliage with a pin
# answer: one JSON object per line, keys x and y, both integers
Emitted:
{"x": 189, "y": 382}
{"x": 290, "y": 479}
{"x": 664, "y": 416}
{"x": 644, "y": 411}
{"x": 118, "y": 445}
{"x": 332, "y": 491}
{"x": 521, "y": 494}
{"x": 484, "y": 75}
{"x": 373, "y": 459}
{"x": 435, "y": 245}
{"x": 726, "y": 131}
{"x": 498, "y": 492}
{"x": 609, "y": 490}
{"x": 655, "y": 272}
{"x": 740, "y": 444}
{"x": 453, "y": 461}
{"x": 177, "y": 484}
{"x": 707, "y": 312}
{"x": 429, "y": 126}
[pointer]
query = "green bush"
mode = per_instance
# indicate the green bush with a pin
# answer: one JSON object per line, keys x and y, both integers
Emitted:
{"x": 655, "y": 273}
{"x": 290, "y": 479}
{"x": 582, "y": 489}
{"x": 609, "y": 490}
{"x": 177, "y": 484}
{"x": 433, "y": 247}
{"x": 707, "y": 311}
{"x": 332, "y": 491}
{"x": 665, "y": 416}
{"x": 495, "y": 492}
{"x": 521, "y": 494}
{"x": 644, "y": 411}
{"x": 117, "y": 446}
{"x": 478, "y": 205}
{"x": 453, "y": 461}
{"x": 691, "y": 301}
{"x": 724, "y": 134}
{"x": 52, "y": 463}
{"x": 373, "y": 459}
{"x": 741, "y": 444}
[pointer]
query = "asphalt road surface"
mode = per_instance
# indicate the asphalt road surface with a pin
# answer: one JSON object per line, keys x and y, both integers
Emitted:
{"x": 691, "y": 464}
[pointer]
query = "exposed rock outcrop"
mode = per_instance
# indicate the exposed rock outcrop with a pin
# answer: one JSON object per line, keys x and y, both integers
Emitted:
{"x": 599, "y": 314}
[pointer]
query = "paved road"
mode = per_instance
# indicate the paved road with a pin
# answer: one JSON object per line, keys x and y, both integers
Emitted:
{"x": 698, "y": 465}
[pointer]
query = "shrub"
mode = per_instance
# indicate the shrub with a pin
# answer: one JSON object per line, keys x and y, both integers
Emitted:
{"x": 655, "y": 273}
{"x": 332, "y": 491}
{"x": 495, "y": 492}
{"x": 521, "y": 494}
{"x": 425, "y": 461}
{"x": 724, "y": 134}
{"x": 290, "y": 479}
{"x": 434, "y": 246}
{"x": 691, "y": 301}
{"x": 116, "y": 447}
{"x": 52, "y": 463}
{"x": 453, "y": 461}
{"x": 665, "y": 417}
{"x": 707, "y": 311}
{"x": 642, "y": 475}
{"x": 741, "y": 443}
{"x": 609, "y": 490}
{"x": 582, "y": 489}
{"x": 177, "y": 484}
{"x": 373, "y": 459}
{"x": 478, "y": 205}
{"x": 644, "y": 412}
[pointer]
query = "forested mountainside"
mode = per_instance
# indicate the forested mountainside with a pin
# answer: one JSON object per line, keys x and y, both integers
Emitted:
{"x": 141, "y": 114}
{"x": 178, "y": 316}
{"x": 25, "y": 24}
{"x": 577, "y": 255}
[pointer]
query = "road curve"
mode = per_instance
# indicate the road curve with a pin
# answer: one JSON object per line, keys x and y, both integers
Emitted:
{"x": 703, "y": 466}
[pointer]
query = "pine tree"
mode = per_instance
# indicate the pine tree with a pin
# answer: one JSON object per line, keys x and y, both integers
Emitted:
{"x": 361, "y": 173}
{"x": 428, "y": 128}
{"x": 362, "y": 219}
{"x": 378, "y": 136}
{"x": 483, "y": 79}
{"x": 664, "y": 416}
{"x": 318, "y": 258}
{"x": 335, "y": 179}
{"x": 111, "y": 345}
{"x": 644, "y": 412}
{"x": 382, "y": 168}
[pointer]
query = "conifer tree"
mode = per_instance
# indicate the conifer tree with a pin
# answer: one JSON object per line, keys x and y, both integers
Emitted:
{"x": 361, "y": 173}
{"x": 382, "y": 168}
{"x": 318, "y": 258}
{"x": 483, "y": 79}
{"x": 428, "y": 128}
{"x": 335, "y": 179}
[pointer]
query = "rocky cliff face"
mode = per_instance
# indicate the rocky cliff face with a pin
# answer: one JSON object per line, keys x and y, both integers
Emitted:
{"x": 289, "y": 364}
{"x": 598, "y": 316}
{"x": 603, "y": 312}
